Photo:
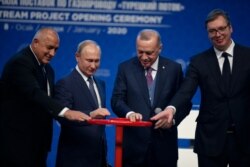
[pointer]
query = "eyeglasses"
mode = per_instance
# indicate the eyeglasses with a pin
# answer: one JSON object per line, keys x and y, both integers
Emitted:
{"x": 219, "y": 30}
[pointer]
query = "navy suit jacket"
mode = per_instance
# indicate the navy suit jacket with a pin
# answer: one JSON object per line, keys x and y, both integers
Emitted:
{"x": 130, "y": 93}
{"x": 26, "y": 120}
{"x": 80, "y": 144}
{"x": 216, "y": 103}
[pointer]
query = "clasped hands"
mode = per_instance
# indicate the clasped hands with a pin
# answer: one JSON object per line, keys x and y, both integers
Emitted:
{"x": 163, "y": 120}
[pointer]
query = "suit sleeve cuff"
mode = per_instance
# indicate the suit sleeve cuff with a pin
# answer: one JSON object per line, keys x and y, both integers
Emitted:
{"x": 61, "y": 114}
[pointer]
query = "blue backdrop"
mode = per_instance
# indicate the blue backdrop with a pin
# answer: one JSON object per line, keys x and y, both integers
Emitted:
{"x": 114, "y": 25}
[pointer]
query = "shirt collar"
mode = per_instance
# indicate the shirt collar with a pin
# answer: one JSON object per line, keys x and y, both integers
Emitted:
{"x": 229, "y": 50}
{"x": 154, "y": 66}
{"x": 35, "y": 55}
{"x": 83, "y": 76}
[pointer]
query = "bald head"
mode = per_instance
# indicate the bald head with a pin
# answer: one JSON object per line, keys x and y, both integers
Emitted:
{"x": 45, "y": 44}
{"x": 45, "y": 32}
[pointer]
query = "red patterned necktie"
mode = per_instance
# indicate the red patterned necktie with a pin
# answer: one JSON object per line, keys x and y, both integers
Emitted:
{"x": 149, "y": 76}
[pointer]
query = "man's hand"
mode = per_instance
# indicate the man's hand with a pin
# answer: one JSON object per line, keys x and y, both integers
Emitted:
{"x": 73, "y": 115}
{"x": 99, "y": 113}
{"x": 164, "y": 119}
{"x": 135, "y": 117}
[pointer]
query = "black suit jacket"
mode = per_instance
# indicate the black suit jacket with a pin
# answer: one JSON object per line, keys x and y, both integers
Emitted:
{"x": 130, "y": 93}
{"x": 216, "y": 104}
{"x": 80, "y": 144}
{"x": 26, "y": 120}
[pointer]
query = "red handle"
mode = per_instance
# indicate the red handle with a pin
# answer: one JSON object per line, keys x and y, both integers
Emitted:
{"x": 120, "y": 122}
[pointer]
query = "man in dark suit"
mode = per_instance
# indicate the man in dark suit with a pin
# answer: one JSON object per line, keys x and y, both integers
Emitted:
{"x": 144, "y": 85}
{"x": 83, "y": 144}
{"x": 223, "y": 127}
{"x": 27, "y": 107}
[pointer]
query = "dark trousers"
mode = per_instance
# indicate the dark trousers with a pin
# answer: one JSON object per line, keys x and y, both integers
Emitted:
{"x": 150, "y": 161}
{"x": 231, "y": 156}
{"x": 34, "y": 161}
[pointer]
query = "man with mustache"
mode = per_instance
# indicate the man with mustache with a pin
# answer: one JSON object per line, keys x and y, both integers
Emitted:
{"x": 144, "y": 85}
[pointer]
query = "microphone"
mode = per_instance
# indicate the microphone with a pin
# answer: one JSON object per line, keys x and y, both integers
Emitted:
{"x": 158, "y": 110}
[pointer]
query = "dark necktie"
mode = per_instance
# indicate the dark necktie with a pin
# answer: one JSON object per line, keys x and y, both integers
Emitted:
{"x": 226, "y": 72}
{"x": 44, "y": 74}
{"x": 149, "y": 76}
{"x": 150, "y": 84}
{"x": 92, "y": 90}
{"x": 226, "y": 76}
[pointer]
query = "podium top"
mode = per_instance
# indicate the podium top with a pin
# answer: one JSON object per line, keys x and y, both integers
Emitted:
{"x": 120, "y": 122}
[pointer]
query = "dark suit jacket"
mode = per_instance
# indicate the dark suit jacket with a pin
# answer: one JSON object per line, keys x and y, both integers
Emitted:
{"x": 131, "y": 94}
{"x": 26, "y": 120}
{"x": 80, "y": 144}
{"x": 217, "y": 104}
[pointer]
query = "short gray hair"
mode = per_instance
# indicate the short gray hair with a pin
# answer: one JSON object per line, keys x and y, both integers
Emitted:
{"x": 85, "y": 43}
{"x": 147, "y": 34}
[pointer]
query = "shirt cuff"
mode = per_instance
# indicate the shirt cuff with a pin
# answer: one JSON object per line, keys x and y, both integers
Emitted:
{"x": 61, "y": 114}
{"x": 173, "y": 107}
{"x": 130, "y": 112}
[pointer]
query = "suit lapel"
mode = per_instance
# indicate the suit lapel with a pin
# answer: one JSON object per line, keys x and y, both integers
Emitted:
{"x": 213, "y": 66}
{"x": 39, "y": 72}
{"x": 139, "y": 74}
{"x": 101, "y": 91}
{"x": 50, "y": 76}
{"x": 237, "y": 66}
{"x": 212, "y": 63}
{"x": 160, "y": 77}
{"x": 84, "y": 87}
